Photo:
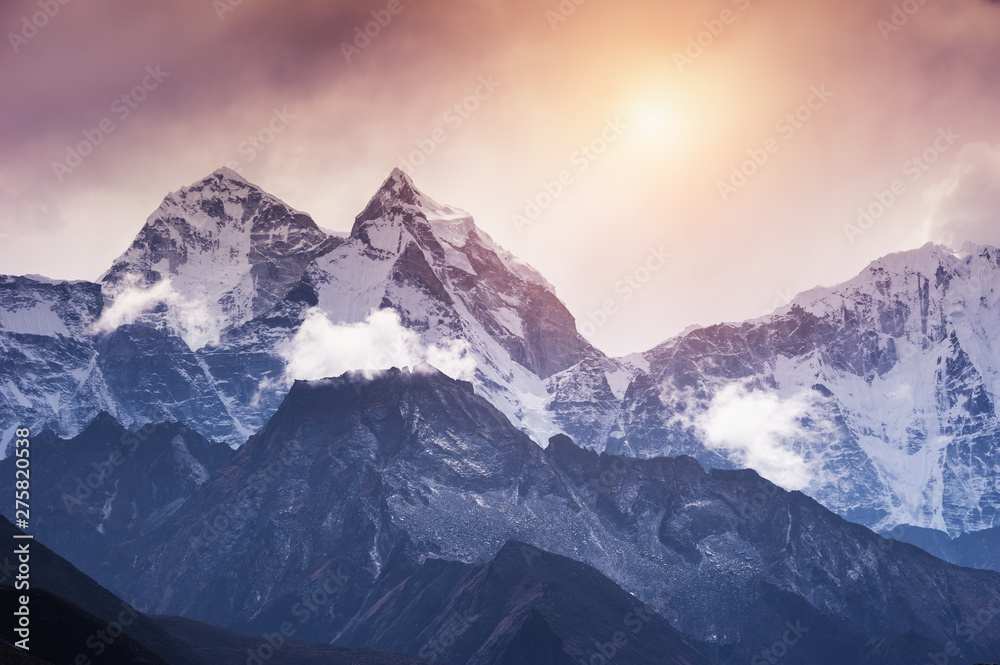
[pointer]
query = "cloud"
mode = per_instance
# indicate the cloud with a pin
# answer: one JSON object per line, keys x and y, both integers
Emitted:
{"x": 131, "y": 304}
{"x": 759, "y": 430}
{"x": 191, "y": 320}
{"x": 453, "y": 359}
{"x": 322, "y": 349}
{"x": 966, "y": 205}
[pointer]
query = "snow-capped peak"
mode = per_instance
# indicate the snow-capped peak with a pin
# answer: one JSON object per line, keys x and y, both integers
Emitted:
{"x": 226, "y": 173}
{"x": 900, "y": 369}
{"x": 222, "y": 183}
{"x": 230, "y": 248}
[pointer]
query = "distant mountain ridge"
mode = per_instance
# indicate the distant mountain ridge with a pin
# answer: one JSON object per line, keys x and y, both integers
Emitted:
{"x": 886, "y": 386}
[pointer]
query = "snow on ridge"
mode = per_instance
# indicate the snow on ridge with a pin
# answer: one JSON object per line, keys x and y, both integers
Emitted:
{"x": 899, "y": 266}
{"x": 452, "y": 226}
{"x": 514, "y": 264}
{"x": 42, "y": 279}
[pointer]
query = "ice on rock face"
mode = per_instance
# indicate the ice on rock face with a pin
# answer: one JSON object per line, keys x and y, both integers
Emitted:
{"x": 38, "y": 319}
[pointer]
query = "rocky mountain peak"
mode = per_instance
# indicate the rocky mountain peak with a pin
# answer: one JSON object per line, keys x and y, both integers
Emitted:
{"x": 220, "y": 251}
{"x": 223, "y": 209}
{"x": 400, "y": 185}
{"x": 399, "y": 202}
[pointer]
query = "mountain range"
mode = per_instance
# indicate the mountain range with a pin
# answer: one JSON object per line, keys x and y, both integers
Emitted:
{"x": 398, "y": 440}
{"x": 392, "y": 511}
{"x": 880, "y": 392}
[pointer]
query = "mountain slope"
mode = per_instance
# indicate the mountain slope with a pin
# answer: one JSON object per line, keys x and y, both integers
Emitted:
{"x": 74, "y": 620}
{"x": 349, "y": 469}
{"x": 60, "y": 633}
{"x": 524, "y": 605}
{"x": 216, "y": 646}
{"x": 76, "y": 605}
{"x": 91, "y": 492}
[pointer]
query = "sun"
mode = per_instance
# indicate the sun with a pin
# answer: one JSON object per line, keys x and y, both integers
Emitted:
{"x": 655, "y": 121}
{"x": 651, "y": 120}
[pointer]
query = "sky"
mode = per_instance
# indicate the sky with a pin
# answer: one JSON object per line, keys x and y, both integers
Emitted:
{"x": 674, "y": 163}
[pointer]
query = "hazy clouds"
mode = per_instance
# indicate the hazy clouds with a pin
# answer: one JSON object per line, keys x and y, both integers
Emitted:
{"x": 966, "y": 205}
{"x": 701, "y": 88}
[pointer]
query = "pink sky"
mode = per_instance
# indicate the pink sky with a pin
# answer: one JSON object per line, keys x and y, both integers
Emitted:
{"x": 666, "y": 122}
